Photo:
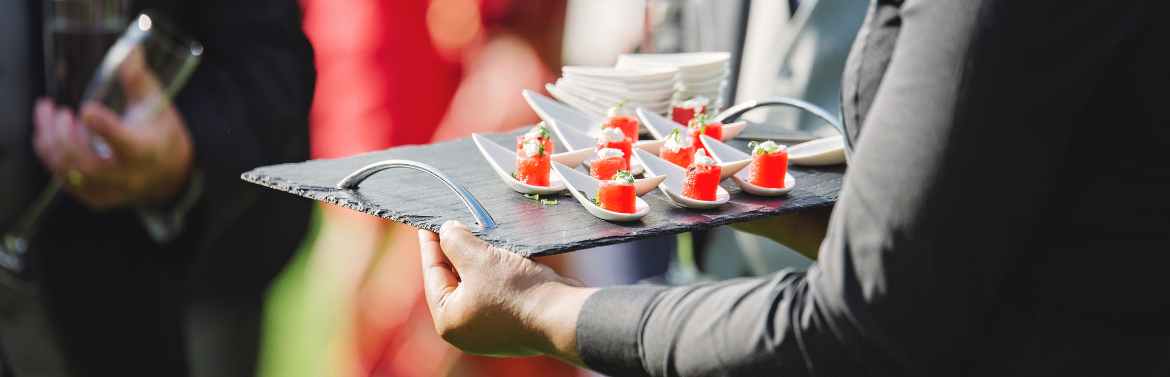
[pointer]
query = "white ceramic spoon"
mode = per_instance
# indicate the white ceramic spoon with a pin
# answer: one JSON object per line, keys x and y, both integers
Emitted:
{"x": 584, "y": 189}
{"x": 673, "y": 185}
{"x": 576, "y": 141}
{"x": 819, "y": 152}
{"x": 652, "y": 146}
{"x": 641, "y": 185}
{"x": 726, "y": 168}
{"x": 503, "y": 161}
{"x": 557, "y": 114}
{"x": 661, "y": 126}
{"x": 722, "y": 152}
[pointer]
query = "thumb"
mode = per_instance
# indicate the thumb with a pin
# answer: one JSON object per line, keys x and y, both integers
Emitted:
{"x": 105, "y": 123}
{"x": 460, "y": 246}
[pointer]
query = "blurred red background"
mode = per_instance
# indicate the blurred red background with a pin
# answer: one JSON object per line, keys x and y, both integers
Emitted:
{"x": 396, "y": 72}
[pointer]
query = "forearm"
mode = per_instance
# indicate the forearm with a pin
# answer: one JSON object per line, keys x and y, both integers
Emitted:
{"x": 759, "y": 326}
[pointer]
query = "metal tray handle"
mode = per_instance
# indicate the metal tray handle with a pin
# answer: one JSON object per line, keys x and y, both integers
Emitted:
{"x": 481, "y": 214}
{"x": 734, "y": 112}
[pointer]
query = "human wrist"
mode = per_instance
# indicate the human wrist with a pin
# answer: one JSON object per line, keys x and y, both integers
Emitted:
{"x": 553, "y": 309}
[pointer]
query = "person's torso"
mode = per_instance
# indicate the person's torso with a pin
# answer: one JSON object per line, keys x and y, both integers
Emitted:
{"x": 1087, "y": 295}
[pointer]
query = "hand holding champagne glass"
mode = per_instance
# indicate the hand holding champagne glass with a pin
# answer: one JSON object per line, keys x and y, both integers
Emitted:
{"x": 128, "y": 145}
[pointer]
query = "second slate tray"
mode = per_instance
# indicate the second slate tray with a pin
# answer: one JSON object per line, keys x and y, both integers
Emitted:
{"x": 524, "y": 226}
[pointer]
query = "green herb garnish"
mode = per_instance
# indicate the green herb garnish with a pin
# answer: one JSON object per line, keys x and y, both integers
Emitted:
{"x": 542, "y": 131}
{"x": 623, "y": 176}
{"x": 766, "y": 147}
{"x": 700, "y": 122}
{"x": 543, "y": 201}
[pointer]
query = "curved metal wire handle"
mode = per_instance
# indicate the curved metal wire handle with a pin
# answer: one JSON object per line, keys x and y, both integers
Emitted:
{"x": 734, "y": 112}
{"x": 481, "y": 215}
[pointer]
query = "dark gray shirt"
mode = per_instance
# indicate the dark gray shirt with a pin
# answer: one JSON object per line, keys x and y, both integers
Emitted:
{"x": 1006, "y": 213}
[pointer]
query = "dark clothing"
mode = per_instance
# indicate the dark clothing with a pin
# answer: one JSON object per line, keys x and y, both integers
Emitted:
{"x": 1010, "y": 150}
{"x": 121, "y": 304}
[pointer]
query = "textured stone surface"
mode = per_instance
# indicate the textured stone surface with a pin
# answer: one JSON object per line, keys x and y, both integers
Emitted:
{"x": 525, "y": 226}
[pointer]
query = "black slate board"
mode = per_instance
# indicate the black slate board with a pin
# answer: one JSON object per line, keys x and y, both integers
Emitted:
{"x": 525, "y": 226}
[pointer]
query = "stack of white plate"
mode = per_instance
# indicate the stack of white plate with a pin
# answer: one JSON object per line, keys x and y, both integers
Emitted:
{"x": 699, "y": 73}
{"x": 596, "y": 89}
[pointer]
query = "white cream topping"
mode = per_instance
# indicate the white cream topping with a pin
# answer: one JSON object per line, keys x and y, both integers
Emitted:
{"x": 531, "y": 147}
{"x": 622, "y": 177}
{"x": 611, "y": 135}
{"x": 769, "y": 146}
{"x": 677, "y": 141}
{"x": 604, "y": 153}
{"x": 702, "y": 159}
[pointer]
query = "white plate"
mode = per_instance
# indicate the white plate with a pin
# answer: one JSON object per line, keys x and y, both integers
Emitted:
{"x": 625, "y": 75}
{"x": 653, "y": 86}
{"x": 714, "y": 95}
{"x": 591, "y": 104}
{"x": 618, "y": 90}
{"x": 600, "y": 97}
{"x": 722, "y": 152}
{"x": 713, "y": 81}
{"x": 584, "y": 189}
{"x": 503, "y": 161}
{"x": 673, "y": 185}
{"x": 660, "y": 126}
{"x": 558, "y": 114}
{"x": 630, "y": 97}
{"x": 819, "y": 152}
{"x": 717, "y": 86}
{"x": 695, "y": 78}
{"x": 686, "y": 61}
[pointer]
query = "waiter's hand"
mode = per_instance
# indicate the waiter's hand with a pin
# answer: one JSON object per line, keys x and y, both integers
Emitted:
{"x": 489, "y": 301}
{"x": 150, "y": 152}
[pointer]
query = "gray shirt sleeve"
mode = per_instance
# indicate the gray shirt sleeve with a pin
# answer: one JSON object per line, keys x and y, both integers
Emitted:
{"x": 911, "y": 271}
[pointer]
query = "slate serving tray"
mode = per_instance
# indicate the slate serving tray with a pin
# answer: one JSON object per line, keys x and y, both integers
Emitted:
{"x": 525, "y": 226}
